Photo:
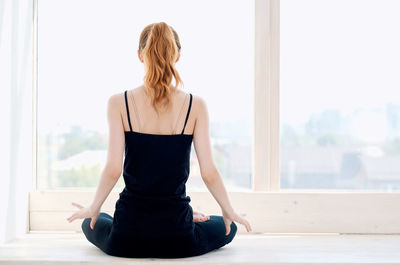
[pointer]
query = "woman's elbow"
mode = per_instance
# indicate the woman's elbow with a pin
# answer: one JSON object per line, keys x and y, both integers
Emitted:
{"x": 113, "y": 171}
{"x": 211, "y": 175}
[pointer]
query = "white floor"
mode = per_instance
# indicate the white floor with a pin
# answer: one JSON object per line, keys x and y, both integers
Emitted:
{"x": 244, "y": 249}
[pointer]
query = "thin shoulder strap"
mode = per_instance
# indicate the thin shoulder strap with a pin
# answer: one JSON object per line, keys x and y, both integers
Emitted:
{"x": 127, "y": 111}
{"x": 180, "y": 112}
{"x": 187, "y": 115}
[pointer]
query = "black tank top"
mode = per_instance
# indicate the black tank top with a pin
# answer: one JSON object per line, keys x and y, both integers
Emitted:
{"x": 156, "y": 168}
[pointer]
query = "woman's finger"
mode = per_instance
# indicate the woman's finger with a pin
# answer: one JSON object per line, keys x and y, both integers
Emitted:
{"x": 198, "y": 217}
{"x": 77, "y": 205}
{"x": 228, "y": 227}
{"x": 93, "y": 222}
{"x": 72, "y": 217}
{"x": 204, "y": 217}
{"x": 69, "y": 219}
{"x": 247, "y": 224}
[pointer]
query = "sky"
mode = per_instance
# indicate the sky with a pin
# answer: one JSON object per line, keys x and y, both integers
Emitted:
{"x": 341, "y": 54}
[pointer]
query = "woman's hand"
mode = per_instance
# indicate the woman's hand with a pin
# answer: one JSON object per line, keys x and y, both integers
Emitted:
{"x": 199, "y": 217}
{"x": 229, "y": 217}
{"x": 85, "y": 212}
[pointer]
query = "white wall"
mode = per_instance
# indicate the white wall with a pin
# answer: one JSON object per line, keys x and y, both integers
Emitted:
{"x": 16, "y": 163}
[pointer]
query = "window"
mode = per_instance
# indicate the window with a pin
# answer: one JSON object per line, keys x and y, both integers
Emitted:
{"x": 339, "y": 103}
{"x": 278, "y": 131}
{"x": 87, "y": 51}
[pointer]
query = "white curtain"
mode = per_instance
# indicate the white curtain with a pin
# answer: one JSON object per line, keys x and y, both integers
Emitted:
{"x": 16, "y": 81}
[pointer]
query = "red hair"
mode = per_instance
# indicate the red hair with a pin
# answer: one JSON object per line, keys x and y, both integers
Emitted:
{"x": 160, "y": 45}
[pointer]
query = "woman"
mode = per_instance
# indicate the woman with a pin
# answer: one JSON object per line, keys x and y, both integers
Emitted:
{"x": 153, "y": 217}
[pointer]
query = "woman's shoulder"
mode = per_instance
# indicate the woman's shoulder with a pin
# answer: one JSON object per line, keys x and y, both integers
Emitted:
{"x": 198, "y": 103}
{"x": 120, "y": 96}
{"x": 117, "y": 100}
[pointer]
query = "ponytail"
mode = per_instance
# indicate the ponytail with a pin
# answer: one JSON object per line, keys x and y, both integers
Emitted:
{"x": 160, "y": 45}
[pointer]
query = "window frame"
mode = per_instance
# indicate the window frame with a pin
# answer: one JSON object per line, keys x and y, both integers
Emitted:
{"x": 316, "y": 211}
{"x": 266, "y": 175}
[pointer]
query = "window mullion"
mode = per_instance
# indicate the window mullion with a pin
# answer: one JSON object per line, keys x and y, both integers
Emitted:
{"x": 266, "y": 96}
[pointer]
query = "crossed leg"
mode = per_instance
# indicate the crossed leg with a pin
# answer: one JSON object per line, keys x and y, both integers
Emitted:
{"x": 211, "y": 234}
{"x": 100, "y": 234}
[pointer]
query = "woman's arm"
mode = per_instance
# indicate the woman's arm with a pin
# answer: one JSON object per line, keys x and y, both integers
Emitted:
{"x": 116, "y": 141}
{"x": 113, "y": 168}
{"x": 208, "y": 170}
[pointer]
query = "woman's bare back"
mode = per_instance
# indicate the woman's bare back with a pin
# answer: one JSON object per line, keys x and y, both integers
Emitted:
{"x": 145, "y": 119}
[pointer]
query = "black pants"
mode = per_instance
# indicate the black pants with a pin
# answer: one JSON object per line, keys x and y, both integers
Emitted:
{"x": 209, "y": 235}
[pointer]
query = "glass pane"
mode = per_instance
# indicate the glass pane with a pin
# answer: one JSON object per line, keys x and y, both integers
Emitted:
{"x": 87, "y": 51}
{"x": 340, "y": 108}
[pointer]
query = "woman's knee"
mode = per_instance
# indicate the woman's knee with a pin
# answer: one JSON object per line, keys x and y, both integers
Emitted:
{"x": 232, "y": 233}
{"x": 86, "y": 224}
{"x": 105, "y": 215}
{"x": 220, "y": 219}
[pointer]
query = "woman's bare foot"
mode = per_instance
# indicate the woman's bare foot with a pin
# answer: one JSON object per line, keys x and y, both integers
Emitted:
{"x": 200, "y": 217}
